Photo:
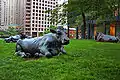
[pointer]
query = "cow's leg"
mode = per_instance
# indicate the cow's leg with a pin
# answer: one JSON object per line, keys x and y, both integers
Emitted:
{"x": 48, "y": 54}
{"x": 62, "y": 50}
{"x": 37, "y": 55}
{"x": 18, "y": 48}
{"x": 19, "y": 52}
{"x": 54, "y": 52}
{"x": 45, "y": 52}
{"x": 22, "y": 54}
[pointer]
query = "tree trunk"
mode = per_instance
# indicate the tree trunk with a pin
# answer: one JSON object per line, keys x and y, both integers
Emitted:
{"x": 84, "y": 25}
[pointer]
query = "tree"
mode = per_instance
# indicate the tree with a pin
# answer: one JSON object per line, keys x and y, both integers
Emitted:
{"x": 100, "y": 10}
{"x": 48, "y": 29}
{"x": 58, "y": 15}
{"x": 11, "y": 31}
{"x": 77, "y": 10}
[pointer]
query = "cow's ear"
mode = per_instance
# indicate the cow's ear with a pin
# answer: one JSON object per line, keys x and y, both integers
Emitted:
{"x": 53, "y": 31}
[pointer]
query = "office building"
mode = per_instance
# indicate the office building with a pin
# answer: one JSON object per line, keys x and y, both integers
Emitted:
{"x": 35, "y": 19}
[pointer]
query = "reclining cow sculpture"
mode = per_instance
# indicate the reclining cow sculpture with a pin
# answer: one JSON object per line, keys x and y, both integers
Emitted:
{"x": 106, "y": 38}
{"x": 16, "y": 38}
{"x": 48, "y": 45}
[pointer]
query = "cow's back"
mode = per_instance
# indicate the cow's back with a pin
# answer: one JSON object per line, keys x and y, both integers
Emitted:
{"x": 30, "y": 45}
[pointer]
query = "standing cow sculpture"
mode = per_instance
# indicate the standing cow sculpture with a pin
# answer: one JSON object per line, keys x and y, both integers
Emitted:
{"x": 49, "y": 45}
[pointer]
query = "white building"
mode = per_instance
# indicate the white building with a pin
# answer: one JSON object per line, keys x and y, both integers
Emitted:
{"x": 12, "y": 11}
{"x": 35, "y": 16}
{"x": 15, "y": 12}
{"x": 3, "y": 14}
{"x": 60, "y": 2}
{"x": 20, "y": 12}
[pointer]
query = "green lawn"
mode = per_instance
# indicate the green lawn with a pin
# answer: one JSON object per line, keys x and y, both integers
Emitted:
{"x": 85, "y": 60}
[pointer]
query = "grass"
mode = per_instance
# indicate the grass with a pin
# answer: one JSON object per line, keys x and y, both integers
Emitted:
{"x": 85, "y": 60}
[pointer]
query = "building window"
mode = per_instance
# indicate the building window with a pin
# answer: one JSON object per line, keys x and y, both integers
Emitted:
{"x": 33, "y": 25}
{"x": 33, "y": 10}
{"x": 36, "y": 14}
{"x": 33, "y": 6}
{"x": 42, "y": 11}
{"x": 45, "y": 8}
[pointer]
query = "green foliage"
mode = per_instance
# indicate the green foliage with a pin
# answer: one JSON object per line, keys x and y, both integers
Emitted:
{"x": 85, "y": 60}
{"x": 41, "y": 34}
{"x": 11, "y": 31}
{"x": 48, "y": 29}
{"x": 58, "y": 15}
{"x": 1, "y": 33}
{"x": 100, "y": 10}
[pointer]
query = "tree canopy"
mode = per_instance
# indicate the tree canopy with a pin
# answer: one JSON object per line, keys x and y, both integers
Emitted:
{"x": 79, "y": 11}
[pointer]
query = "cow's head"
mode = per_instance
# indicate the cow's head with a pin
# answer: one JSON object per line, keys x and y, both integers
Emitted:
{"x": 61, "y": 36}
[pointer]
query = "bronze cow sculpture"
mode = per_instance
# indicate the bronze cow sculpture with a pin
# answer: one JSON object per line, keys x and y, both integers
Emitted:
{"x": 49, "y": 45}
{"x": 16, "y": 38}
{"x": 106, "y": 38}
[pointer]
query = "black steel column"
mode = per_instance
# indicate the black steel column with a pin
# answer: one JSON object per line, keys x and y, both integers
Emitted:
{"x": 89, "y": 31}
{"x": 68, "y": 30}
{"x": 76, "y": 32}
{"x": 104, "y": 27}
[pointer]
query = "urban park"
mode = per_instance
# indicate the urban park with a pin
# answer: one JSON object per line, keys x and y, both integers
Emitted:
{"x": 87, "y": 48}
